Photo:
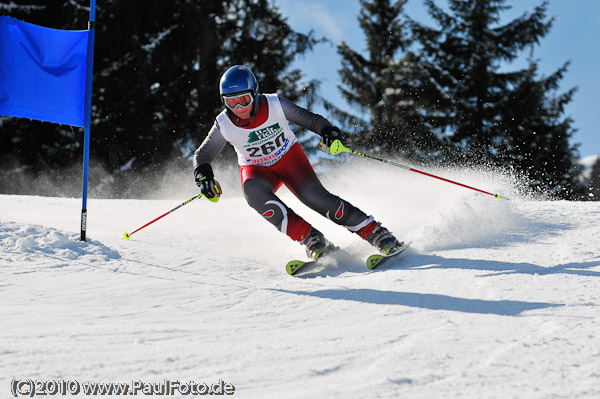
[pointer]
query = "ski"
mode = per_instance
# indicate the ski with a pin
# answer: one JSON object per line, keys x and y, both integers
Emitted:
{"x": 378, "y": 259}
{"x": 295, "y": 266}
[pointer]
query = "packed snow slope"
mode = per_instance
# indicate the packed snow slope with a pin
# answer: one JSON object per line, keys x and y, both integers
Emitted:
{"x": 494, "y": 299}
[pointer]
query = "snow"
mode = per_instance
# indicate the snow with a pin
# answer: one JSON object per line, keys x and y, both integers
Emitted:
{"x": 589, "y": 161}
{"x": 494, "y": 299}
{"x": 587, "y": 164}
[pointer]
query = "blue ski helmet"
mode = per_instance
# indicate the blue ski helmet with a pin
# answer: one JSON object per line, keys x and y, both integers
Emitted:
{"x": 238, "y": 79}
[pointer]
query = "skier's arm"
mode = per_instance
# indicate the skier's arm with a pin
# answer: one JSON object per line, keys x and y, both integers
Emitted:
{"x": 211, "y": 147}
{"x": 303, "y": 117}
{"x": 203, "y": 156}
{"x": 314, "y": 122}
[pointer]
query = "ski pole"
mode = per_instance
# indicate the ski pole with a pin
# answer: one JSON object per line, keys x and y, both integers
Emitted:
{"x": 128, "y": 236}
{"x": 337, "y": 147}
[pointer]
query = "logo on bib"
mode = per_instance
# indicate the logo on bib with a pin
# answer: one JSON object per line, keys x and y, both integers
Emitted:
{"x": 265, "y": 133}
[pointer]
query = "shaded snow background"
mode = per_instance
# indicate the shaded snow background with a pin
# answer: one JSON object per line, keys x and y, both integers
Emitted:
{"x": 495, "y": 299}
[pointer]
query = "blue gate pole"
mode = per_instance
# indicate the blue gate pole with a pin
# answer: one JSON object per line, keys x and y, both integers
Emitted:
{"x": 88, "y": 116}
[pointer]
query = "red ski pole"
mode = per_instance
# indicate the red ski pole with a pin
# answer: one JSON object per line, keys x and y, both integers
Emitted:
{"x": 128, "y": 235}
{"x": 337, "y": 147}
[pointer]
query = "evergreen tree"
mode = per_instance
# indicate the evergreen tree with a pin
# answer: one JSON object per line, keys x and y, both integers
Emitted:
{"x": 390, "y": 86}
{"x": 486, "y": 121}
{"x": 156, "y": 73}
{"x": 469, "y": 48}
{"x": 538, "y": 141}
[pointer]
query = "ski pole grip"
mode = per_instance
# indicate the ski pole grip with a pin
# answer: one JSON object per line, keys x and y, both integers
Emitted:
{"x": 337, "y": 147}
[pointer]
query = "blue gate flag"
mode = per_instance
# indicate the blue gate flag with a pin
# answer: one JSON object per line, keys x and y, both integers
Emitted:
{"x": 42, "y": 72}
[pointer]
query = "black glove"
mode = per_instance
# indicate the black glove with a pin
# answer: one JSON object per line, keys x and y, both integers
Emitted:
{"x": 205, "y": 179}
{"x": 328, "y": 135}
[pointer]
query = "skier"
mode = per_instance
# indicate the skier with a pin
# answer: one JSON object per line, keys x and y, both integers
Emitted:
{"x": 257, "y": 125}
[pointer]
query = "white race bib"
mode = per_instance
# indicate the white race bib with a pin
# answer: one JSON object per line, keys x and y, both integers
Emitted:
{"x": 264, "y": 145}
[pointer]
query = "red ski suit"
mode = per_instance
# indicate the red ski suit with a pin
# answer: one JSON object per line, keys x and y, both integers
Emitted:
{"x": 269, "y": 156}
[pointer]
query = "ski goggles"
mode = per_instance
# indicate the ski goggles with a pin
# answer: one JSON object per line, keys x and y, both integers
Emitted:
{"x": 240, "y": 100}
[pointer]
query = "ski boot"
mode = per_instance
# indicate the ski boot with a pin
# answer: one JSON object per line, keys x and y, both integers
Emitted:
{"x": 383, "y": 240}
{"x": 316, "y": 244}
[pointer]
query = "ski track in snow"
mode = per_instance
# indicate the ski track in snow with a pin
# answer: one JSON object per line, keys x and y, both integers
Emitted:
{"x": 494, "y": 299}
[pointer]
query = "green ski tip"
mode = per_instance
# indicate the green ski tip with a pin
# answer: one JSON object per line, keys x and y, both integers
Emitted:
{"x": 374, "y": 260}
{"x": 293, "y": 266}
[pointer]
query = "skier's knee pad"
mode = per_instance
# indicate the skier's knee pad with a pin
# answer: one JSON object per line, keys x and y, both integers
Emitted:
{"x": 341, "y": 212}
{"x": 259, "y": 195}
{"x": 344, "y": 213}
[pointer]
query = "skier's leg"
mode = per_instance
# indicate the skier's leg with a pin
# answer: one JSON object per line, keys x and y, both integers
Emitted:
{"x": 344, "y": 213}
{"x": 259, "y": 185}
{"x": 298, "y": 175}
